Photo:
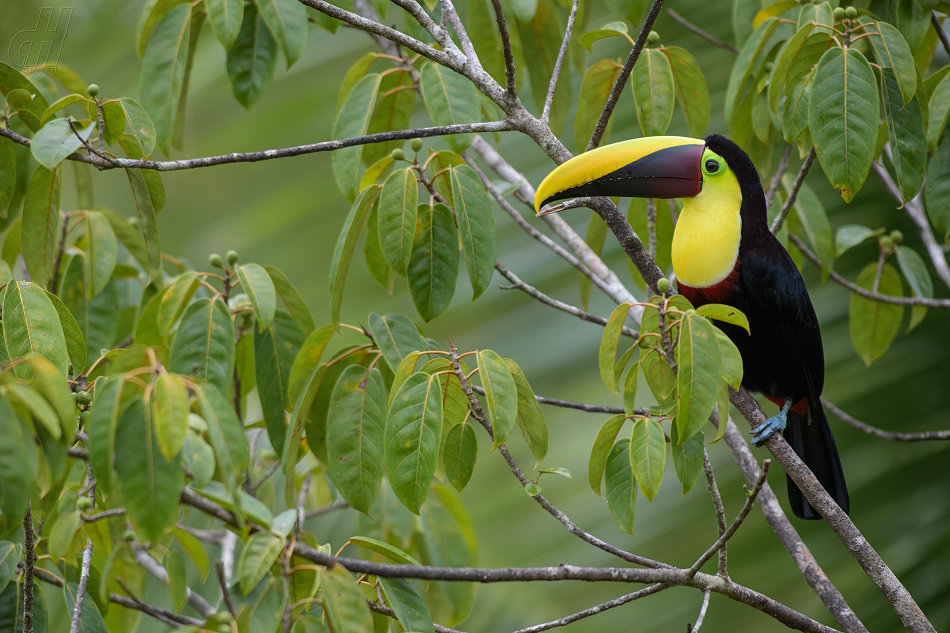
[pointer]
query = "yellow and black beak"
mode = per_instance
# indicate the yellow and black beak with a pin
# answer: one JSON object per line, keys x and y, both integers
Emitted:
{"x": 650, "y": 167}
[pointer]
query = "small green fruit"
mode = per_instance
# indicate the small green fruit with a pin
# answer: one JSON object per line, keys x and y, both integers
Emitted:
{"x": 83, "y": 397}
{"x": 416, "y": 144}
{"x": 83, "y": 416}
{"x": 215, "y": 260}
{"x": 224, "y": 628}
{"x": 128, "y": 535}
{"x": 232, "y": 257}
{"x": 851, "y": 12}
{"x": 663, "y": 285}
{"x": 93, "y": 90}
{"x": 644, "y": 343}
{"x": 840, "y": 13}
{"x": 887, "y": 243}
{"x": 84, "y": 503}
{"x": 897, "y": 237}
{"x": 398, "y": 154}
{"x": 653, "y": 37}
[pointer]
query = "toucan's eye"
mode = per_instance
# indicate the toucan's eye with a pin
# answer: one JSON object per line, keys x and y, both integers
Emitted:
{"x": 712, "y": 166}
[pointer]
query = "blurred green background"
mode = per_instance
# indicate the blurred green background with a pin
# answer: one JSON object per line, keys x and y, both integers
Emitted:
{"x": 289, "y": 212}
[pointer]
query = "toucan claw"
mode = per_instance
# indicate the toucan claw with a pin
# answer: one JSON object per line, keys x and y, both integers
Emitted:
{"x": 776, "y": 423}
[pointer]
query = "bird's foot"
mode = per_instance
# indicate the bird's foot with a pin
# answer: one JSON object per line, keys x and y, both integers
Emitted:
{"x": 776, "y": 423}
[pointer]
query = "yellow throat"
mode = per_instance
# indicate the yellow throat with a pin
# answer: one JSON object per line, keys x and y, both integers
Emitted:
{"x": 708, "y": 233}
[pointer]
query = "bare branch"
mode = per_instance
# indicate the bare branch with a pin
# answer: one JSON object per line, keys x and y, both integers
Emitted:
{"x": 614, "y": 97}
{"x": 163, "y": 615}
{"x": 600, "y": 608}
{"x": 867, "y": 294}
{"x": 703, "y": 34}
{"x": 339, "y": 504}
{"x": 105, "y": 514}
{"x": 743, "y": 513}
{"x": 720, "y": 510}
{"x": 793, "y": 194}
{"x": 554, "y": 303}
{"x": 29, "y": 546}
{"x": 777, "y": 177}
{"x": 702, "y": 613}
{"x": 916, "y": 213}
{"x": 252, "y": 489}
{"x": 651, "y": 227}
{"x": 549, "y": 99}
{"x": 270, "y": 154}
{"x": 225, "y": 589}
{"x": 510, "y": 90}
{"x": 922, "y": 436}
{"x": 83, "y": 583}
{"x": 152, "y": 566}
{"x": 870, "y": 561}
{"x": 383, "y": 609}
{"x": 566, "y": 404}
{"x": 449, "y": 10}
{"x": 940, "y": 32}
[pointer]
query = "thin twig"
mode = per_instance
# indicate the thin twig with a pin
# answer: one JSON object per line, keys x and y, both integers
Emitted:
{"x": 225, "y": 590}
{"x": 894, "y": 436}
{"x": 448, "y": 9}
{"x": 743, "y": 513}
{"x": 720, "y": 510}
{"x": 703, "y": 34}
{"x": 83, "y": 583}
{"x": 299, "y": 150}
{"x": 552, "y": 86}
{"x": 510, "y": 90}
{"x": 566, "y": 404}
{"x": 600, "y": 608}
{"x": 702, "y": 613}
{"x": 29, "y": 545}
{"x": 105, "y": 514}
{"x": 777, "y": 178}
{"x": 339, "y": 504}
{"x": 375, "y": 607}
{"x": 651, "y": 227}
{"x": 171, "y": 619}
{"x": 252, "y": 489}
{"x": 940, "y": 32}
{"x": 864, "y": 292}
{"x": 614, "y": 97}
{"x": 554, "y": 303}
{"x": 793, "y": 194}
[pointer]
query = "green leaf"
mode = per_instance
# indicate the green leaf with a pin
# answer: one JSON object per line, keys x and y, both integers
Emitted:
{"x": 325, "y": 380}
{"x": 906, "y": 133}
{"x": 621, "y": 486}
{"x": 39, "y": 408}
{"x": 476, "y": 226}
{"x": 501, "y": 394}
{"x": 459, "y": 454}
{"x": 611, "y": 29}
{"x": 204, "y": 343}
{"x": 541, "y": 36}
{"x": 308, "y": 357}
{"x": 353, "y": 120}
{"x": 356, "y": 423}
{"x": 287, "y": 21}
{"x": 260, "y": 291}
{"x": 531, "y": 421}
{"x": 937, "y": 190}
{"x": 55, "y": 141}
{"x": 376, "y": 262}
{"x": 231, "y": 450}
{"x": 732, "y": 367}
{"x": 101, "y": 427}
{"x": 251, "y": 59}
{"x": 102, "y": 252}
{"x": 692, "y": 93}
{"x": 938, "y": 107}
{"x": 598, "y": 82}
{"x": 195, "y": 550}
{"x": 31, "y": 108}
{"x": 652, "y": 81}
{"x": 389, "y": 551}
{"x": 41, "y": 223}
{"x": 396, "y": 336}
{"x": 447, "y": 538}
{"x": 749, "y": 55}
{"x": 163, "y": 72}
{"x": 343, "y": 602}
{"x": 353, "y": 76}
{"x": 174, "y": 299}
{"x": 697, "y": 356}
{"x": 849, "y": 236}
{"x": 434, "y": 262}
{"x": 873, "y": 324}
{"x": 199, "y": 458}
{"x": 450, "y": 99}
{"x": 10, "y": 554}
{"x": 31, "y": 325}
{"x": 609, "y": 342}
{"x": 90, "y": 620}
{"x": 14, "y": 475}
{"x": 275, "y": 351}
{"x": 412, "y": 438}
{"x": 169, "y": 414}
{"x": 113, "y": 120}
{"x": 260, "y": 553}
{"x": 724, "y": 313}
{"x": 143, "y": 130}
{"x": 153, "y": 182}
{"x": 814, "y": 221}
{"x": 774, "y": 10}
{"x": 148, "y": 223}
{"x": 843, "y": 110}
{"x": 410, "y": 609}
{"x": 398, "y": 203}
{"x": 75, "y": 343}
{"x": 397, "y": 96}
{"x": 293, "y": 300}
{"x": 150, "y": 486}
{"x": 345, "y": 245}
{"x": 8, "y": 175}
{"x": 778, "y": 80}
{"x": 918, "y": 278}
{"x": 892, "y": 53}
{"x": 648, "y": 455}
{"x": 226, "y": 17}
{"x": 687, "y": 459}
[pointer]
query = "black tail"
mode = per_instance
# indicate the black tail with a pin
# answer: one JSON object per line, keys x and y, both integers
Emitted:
{"x": 811, "y": 439}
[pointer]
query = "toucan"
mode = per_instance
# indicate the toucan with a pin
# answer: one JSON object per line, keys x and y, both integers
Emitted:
{"x": 723, "y": 252}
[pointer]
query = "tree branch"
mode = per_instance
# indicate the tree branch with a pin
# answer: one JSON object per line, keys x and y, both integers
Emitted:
{"x": 29, "y": 547}
{"x": 566, "y": 404}
{"x": 720, "y": 510}
{"x": 793, "y": 194}
{"x": 702, "y": 613}
{"x": 940, "y": 32}
{"x": 549, "y": 99}
{"x": 172, "y": 619}
{"x": 375, "y": 607}
{"x": 600, "y": 608}
{"x": 270, "y": 154}
{"x": 601, "y": 126}
{"x": 152, "y": 566}
{"x": 868, "y": 294}
{"x": 922, "y": 436}
{"x": 777, "y": 177}
{"x": 870, "y": 561}
{"x": 83, "y": 583}
{"x": 554, "y": 303}
{"x": 510, "y": 90}
{"x": 703, "y": 34}
{"x": 105, "y": 514}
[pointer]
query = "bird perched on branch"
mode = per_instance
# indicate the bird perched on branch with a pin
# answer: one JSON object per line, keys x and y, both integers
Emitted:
{"x": 723, "y": 252}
